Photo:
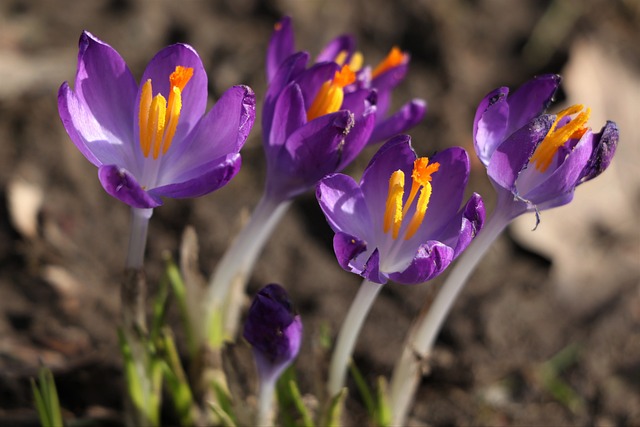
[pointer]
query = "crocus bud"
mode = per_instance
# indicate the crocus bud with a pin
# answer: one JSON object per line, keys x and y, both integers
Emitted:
{"x": 274, "y": 330}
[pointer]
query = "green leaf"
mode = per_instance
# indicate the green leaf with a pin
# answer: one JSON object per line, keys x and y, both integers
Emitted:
{"x": 334, "y": 411}
{"x": 363, "y": 389}
{"x": 307, "y": 421}
{"x": 223, "y": 399}
{"x": 177, "y": 383}
{"x": 225, "y": 419}
{"x": 46, "y": 399}
{"x": 383, "y": 410}
{"x": 180, "y": 291}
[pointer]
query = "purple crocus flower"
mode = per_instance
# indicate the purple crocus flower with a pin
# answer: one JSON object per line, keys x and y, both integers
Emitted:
{"x": 311, "y": 125}
{"x": 274, "y": 330}
{"x": 383, "y": 78}
{"x": 154, "y": 140}
{"x": 403, "y": 221}
{"x": 535, "y": 160}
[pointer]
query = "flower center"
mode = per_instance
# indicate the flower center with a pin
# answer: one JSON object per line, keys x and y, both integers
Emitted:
{"x": 158, "y": 118}
{"x": 393, "y": 59}
{"x": 331, "y": 94}
{"x": 395, "y": 212}
{"x": 557, "y": 137}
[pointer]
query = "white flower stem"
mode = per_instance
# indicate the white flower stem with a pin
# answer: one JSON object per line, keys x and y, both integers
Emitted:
{"x": 227, "y": 284}
{"x": 138, "y": 237}
{"x": 349, "y": 333}
{"x": 419, "y": 343}
{"x": 264, "y": 416}
{"x": 133, "y": 298}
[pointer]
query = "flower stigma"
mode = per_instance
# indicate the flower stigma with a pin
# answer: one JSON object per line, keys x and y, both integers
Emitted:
{"x": 394, "y": 209}
{"x": 158, "y": 117}
{"x": 393, "y": 59}
{"x": 557, "y": 137}
{"x": 331, "y": 94}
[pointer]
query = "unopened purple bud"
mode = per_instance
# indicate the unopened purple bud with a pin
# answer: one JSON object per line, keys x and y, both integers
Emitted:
{"x": 274, "y": 330}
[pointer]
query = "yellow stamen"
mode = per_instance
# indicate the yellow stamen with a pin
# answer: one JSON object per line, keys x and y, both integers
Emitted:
{"x": 158, "y": 117}
{"x": 393, "y": 209}
{"x": 557, "y": 137}
{"x": 143, "y": 117}
{"x": 157, "y": 122}
{"x": 356, "y": 60}
{"x": 395, "y": 212}
{"x": 393, "y": 59}
{"x": 331, "y": 94}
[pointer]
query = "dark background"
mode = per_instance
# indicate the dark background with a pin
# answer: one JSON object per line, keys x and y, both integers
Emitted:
{"x": 573, "y": 283}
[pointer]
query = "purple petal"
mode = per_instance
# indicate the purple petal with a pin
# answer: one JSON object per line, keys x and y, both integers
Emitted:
{"x": 512, "y": 156}
{"x": 490, "y": 123}
{"x": 316, "y": 148}
{"x": 531, "y": 99}
{"x": 119, "y": 183}
{"x": 604, "y": 147}
{"x": 312, "y": 79}
{"x": 343, "y": 204}
{"x": 431, "y": 260}
{"x": 289, "y": 115}
{"x": 357, "y": 138}
{"x": 371, "y": 270}
{"x": 390, "y": 78}
{"x": 194, "y": 95}
{"x": 563, "y": 179}
{"x": 281, "y": 46}
{"x": 448, "y": 185}
{"x": 464, "y": 227}
{"x": 347, "y": 248}
{"x": 289, "y": 69}
{"x": 408, "y": 116}
{"x": 393, "y": 155}
{"x": 222, "y": 131}
{"x": 344, "y": 43}
{"x": 98, "y": 115}
{"x": 201, "y": 180}
{"x": 358, "y": 101}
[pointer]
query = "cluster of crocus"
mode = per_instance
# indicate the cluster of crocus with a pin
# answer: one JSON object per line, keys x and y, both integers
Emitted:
{"x": 274, "y": 331}
{"x": 534, "y": 161}
{"x": 315, "y": 120}
{"x": 402, "y": 222}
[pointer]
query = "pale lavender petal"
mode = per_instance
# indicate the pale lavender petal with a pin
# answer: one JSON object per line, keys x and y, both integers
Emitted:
{"x": 119, "y": 183}
{"x": 106, "y": 87}
{"x": 430, "y": 260}
{"x": 408, "y": 116}
{"x": 281, "y": 46}
{"x": 343, "y": 204}
{"x": 95, "y": 142}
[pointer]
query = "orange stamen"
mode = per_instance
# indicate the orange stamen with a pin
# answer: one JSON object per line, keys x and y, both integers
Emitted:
{"x": 393, "y": 59}
{"x": 331, "y": 94}
{"x": 557, "y": 137}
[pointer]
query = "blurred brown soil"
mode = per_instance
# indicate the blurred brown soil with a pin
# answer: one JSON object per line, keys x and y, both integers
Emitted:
{"x": 63, "y": 240}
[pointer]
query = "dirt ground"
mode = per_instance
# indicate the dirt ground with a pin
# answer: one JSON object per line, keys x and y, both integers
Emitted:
{"x": 571, "y": 287}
